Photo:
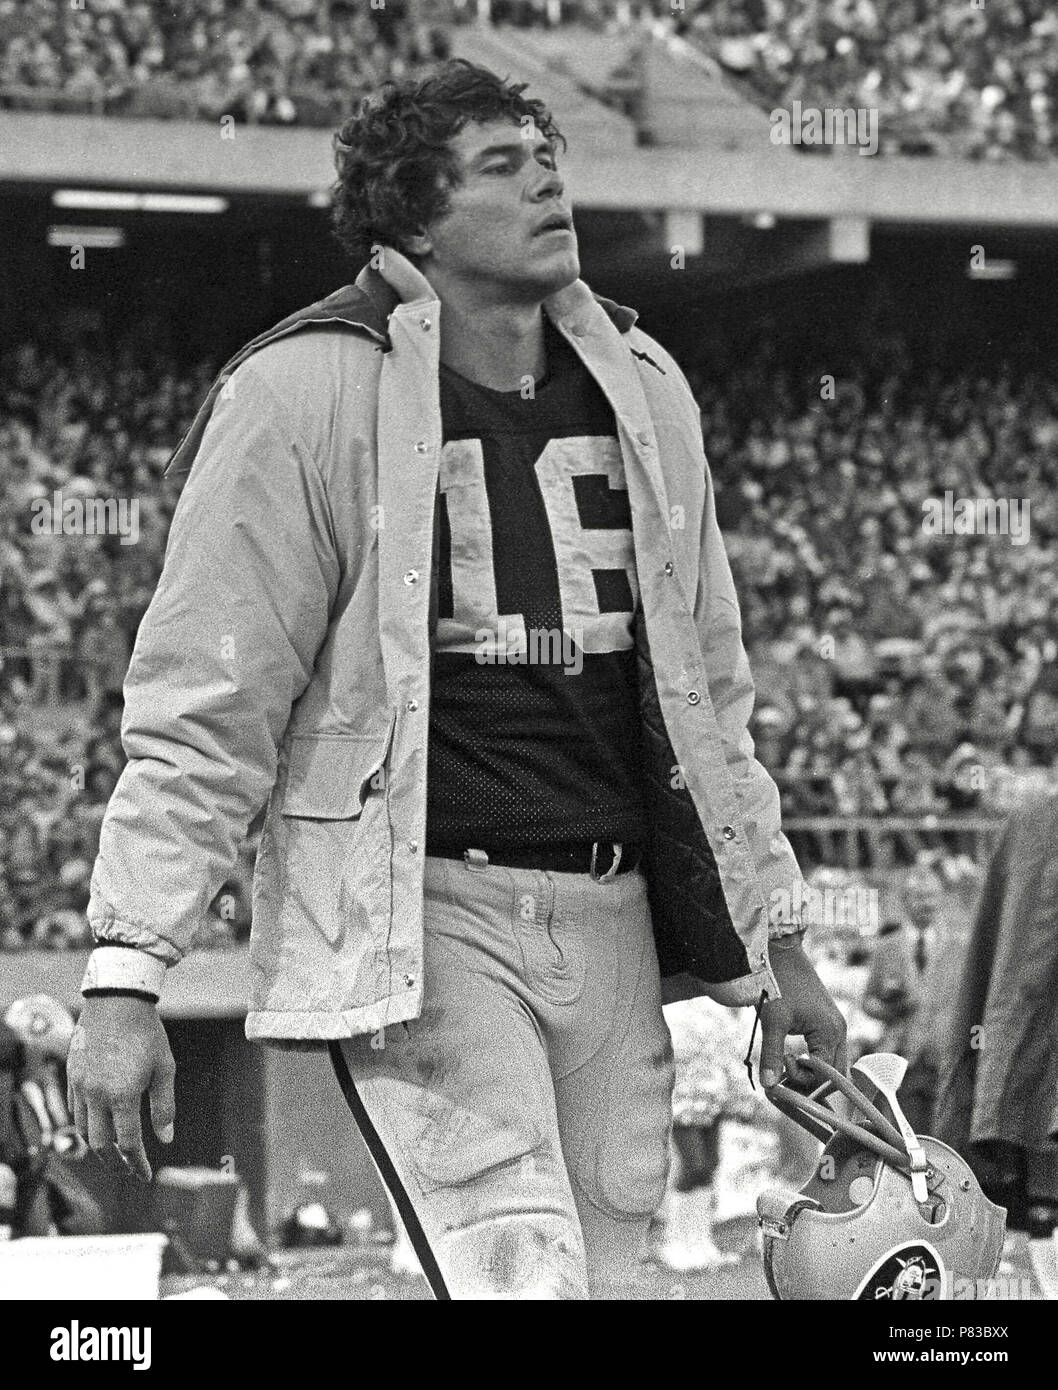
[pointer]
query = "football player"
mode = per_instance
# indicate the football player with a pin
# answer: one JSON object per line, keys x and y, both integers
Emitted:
{"x": 445, "y": 587}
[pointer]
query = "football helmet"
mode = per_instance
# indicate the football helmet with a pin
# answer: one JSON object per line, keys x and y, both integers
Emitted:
{"x": 887, "y": 1214}
{"x": 43, "y": 1023}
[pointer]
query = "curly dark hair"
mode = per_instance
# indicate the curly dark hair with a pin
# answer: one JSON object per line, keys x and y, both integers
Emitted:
{"x": 395, "y": 166}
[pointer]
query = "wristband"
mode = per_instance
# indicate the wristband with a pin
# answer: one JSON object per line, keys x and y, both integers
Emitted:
{"x": 97, "y": 991}
{"x": 111, "y": 966}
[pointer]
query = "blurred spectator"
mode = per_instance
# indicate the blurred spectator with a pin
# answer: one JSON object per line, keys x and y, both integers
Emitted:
{"x": 909, "y": 988}
{"x": 712, "y": 1089}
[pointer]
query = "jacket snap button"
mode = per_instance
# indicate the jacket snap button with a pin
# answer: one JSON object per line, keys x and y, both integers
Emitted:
{"x": 728, "y": 832}
{"x": 420, "y": 446}
{"x": 643, "y": 437}
{"x": 411, "y": 577}
{"x": 693, "y": 697}
{"x": 413, "y": 705}
{"x": 413, "y": 845}
{"x": 425, "y": 325}
{"x": 577, "y": 330}
{"x": 668, "y": 566}
{"x": 409, "y": 981}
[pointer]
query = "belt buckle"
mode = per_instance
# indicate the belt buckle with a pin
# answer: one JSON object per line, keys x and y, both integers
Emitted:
{"x": 611, "y": 872}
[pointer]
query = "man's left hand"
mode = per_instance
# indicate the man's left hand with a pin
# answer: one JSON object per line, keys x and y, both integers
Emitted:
{"x": 805, "y": 1008}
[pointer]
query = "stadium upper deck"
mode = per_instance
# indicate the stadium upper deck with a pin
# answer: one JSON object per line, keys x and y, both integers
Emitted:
{"x": 961, "y": 78}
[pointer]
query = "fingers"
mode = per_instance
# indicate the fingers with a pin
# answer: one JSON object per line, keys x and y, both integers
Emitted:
{"x": 163, "y": 1101}
{"x": 101, "y": 1131}
{"x": 74, "y": 1091}
{"x": 123, "y": 1054}
{"x": 775, "y": 1018}
{"x": 841, "y": 1057}
{"x": 827, "y": 1039}
{"x": 129, "y": 1134}
{"x": 79, "y": 1111}
{"x": 111, "y": 1128}
{"x": 799, "y": 1075}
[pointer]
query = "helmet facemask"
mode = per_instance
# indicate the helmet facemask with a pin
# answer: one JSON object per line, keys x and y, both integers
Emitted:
{"x": 886, "y": 1213}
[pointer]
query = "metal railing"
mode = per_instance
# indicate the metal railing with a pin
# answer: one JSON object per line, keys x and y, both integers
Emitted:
{"x": 884, "y": 842}
{"x": 57, "y": 674}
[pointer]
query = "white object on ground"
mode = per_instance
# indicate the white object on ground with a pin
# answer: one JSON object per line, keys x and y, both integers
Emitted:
{"x": 688, "y": 1243}
{"x": 203, "y": 1291}
{"x": 402, "y": 1258}
{"x": 1044, "y": 1256}
{"x": 92, "y": 1268}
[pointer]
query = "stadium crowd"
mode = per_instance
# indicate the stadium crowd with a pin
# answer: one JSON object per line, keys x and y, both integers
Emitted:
{"x": 898, "y": 672}
{"x": 952, "y": 77}
{"x": 90, "y": 423}
{"x": 279, "y": 62}
{"x": 961, "y": 78}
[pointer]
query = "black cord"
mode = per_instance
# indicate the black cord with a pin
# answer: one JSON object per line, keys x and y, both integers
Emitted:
{"x": 748, "y": 1060}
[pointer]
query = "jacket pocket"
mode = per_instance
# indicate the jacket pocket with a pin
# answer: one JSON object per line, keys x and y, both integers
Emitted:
{"x": 329, "y": 776}
{"x": 334, "y": 843}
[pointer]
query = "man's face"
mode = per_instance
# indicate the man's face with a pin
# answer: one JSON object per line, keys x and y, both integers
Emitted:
{"x": 492, "y": 238}
{"x": 922, "y": 898}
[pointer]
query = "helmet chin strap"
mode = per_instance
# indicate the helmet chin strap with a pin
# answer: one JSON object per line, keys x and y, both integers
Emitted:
{"x": 880, "y": 1071}
{"x": 915, "y": 1152}
{"x": 897, "y": 1144}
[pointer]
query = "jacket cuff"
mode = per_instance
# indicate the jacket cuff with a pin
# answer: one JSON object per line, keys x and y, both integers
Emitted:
{"x": 123, "y": 967}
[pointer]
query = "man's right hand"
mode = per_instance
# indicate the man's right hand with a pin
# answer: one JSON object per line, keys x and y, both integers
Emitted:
{"x": 118, "y": 1051}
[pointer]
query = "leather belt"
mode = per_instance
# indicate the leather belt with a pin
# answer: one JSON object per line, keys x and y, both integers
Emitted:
{"x": 602, "y": 859}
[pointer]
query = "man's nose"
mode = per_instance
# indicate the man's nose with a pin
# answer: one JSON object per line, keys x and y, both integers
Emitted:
{"x": 550, "y": 185}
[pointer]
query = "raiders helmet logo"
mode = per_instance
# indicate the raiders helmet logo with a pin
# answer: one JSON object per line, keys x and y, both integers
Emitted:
{"x": 913, "y": 1272}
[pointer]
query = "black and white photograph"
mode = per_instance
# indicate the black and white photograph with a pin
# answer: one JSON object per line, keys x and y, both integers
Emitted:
{"x": 529, "y": 664}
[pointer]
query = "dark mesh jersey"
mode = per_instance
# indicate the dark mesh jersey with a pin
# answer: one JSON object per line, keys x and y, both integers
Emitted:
{"x": 536, "y": 566}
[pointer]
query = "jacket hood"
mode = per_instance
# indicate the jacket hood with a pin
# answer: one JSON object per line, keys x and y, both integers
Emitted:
{"x": 365, "y": 307}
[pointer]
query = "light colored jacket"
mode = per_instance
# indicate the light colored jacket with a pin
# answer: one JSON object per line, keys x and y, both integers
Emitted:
{"x": 286, "y": 657}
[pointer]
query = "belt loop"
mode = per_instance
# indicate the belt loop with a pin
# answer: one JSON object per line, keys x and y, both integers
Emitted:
{"x": 476, "y": 859}
{"x": 611, "y": 872}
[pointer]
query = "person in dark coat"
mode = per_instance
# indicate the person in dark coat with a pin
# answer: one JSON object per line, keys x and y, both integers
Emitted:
{"x": 917, "y": 958}
{"x": 997, "y": 1100}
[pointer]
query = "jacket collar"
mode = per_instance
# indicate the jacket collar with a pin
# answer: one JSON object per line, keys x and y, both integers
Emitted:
{"x": 365, "y": 306}
{"x": 368, "y": 302}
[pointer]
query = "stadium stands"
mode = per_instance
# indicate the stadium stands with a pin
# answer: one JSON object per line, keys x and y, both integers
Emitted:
{"x": 951, "y": 77}
{"x": 960, "y": 78}
{"x": 278, "y": 62}
{"x": 954, "y": 78}
{"x": 898, "y": 673}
